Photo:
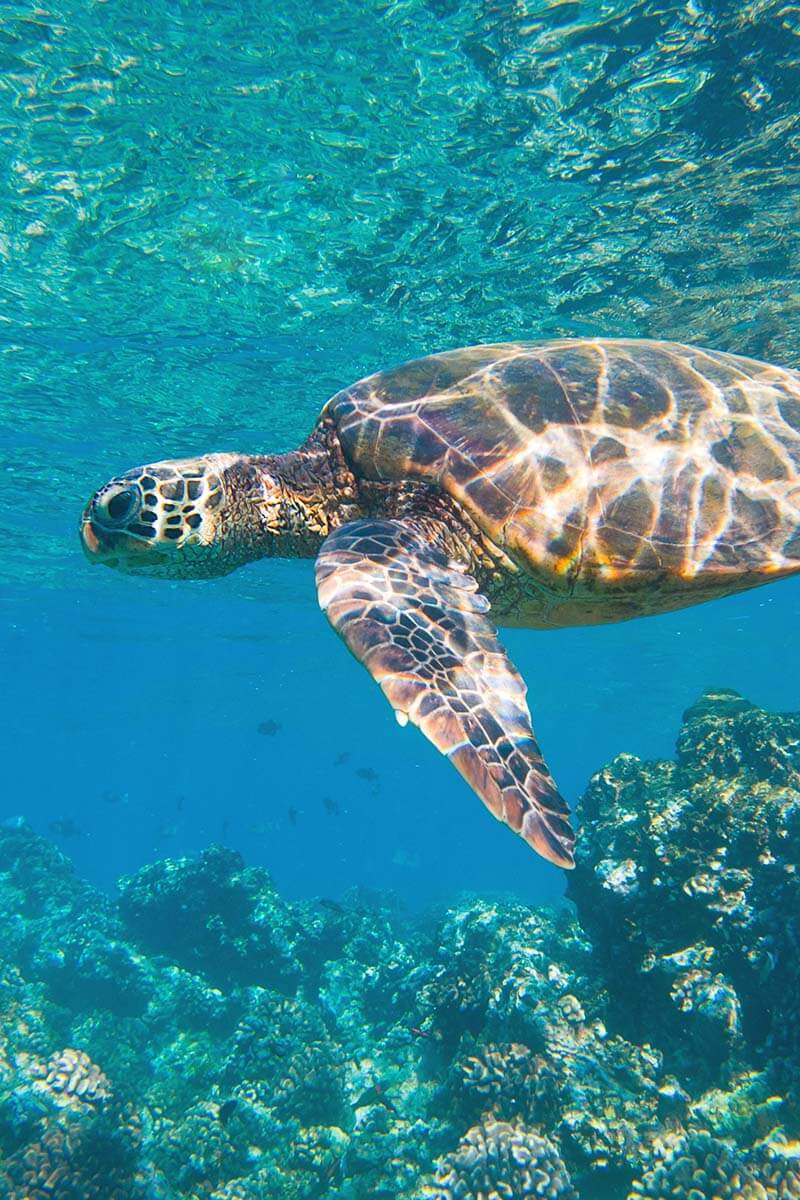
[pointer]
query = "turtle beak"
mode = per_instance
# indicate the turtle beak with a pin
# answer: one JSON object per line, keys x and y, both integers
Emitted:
{"x": 121, "y": 550}
{"x": 111, "y": 547}
{"x": 91, "y": 536}
{"x": 89, "y": 539}
{"x": 96, "y": 542}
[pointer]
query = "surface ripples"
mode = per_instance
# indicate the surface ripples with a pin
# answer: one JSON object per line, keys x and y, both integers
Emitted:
{"x": 212, "y": 216}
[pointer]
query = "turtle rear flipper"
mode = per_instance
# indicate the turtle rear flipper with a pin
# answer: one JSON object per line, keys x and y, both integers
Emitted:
{"x": 419, "y": 626}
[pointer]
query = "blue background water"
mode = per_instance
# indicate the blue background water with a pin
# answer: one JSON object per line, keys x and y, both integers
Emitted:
{"x": 211, "y": 217}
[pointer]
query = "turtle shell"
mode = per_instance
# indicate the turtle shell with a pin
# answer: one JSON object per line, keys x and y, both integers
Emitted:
{"x": 595, "y": 458}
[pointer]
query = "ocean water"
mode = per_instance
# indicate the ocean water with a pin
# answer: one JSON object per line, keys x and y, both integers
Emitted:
{"x": 214, "y": 215}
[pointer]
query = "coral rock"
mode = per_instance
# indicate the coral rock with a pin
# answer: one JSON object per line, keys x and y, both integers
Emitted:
{"x": 685, "y": 873}
{"x": 508, "y": 1161}
{"x": 213, "y": 915}
{"x": 695, "y": 1165}
{"x": 73, "y": 1080}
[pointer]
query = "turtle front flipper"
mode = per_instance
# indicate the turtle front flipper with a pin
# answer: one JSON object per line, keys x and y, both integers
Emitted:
{"x": 418, "y": 624}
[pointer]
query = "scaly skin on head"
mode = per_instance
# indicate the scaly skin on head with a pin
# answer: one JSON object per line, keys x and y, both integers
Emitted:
{"x": 198, "y": 518}
{"x": 203, "y": 517}
{"x": 168, "y": 519}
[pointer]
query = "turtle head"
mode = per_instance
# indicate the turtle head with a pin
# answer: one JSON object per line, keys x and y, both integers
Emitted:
{"x": 191, "y": 518}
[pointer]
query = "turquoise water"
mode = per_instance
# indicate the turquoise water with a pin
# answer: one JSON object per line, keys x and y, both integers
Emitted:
{"x": 213, "y": 216}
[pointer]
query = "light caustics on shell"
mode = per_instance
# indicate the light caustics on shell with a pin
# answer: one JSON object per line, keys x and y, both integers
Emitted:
{"x": 605, "y": 460}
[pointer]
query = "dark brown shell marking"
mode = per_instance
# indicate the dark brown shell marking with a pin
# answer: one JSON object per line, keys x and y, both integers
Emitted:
{"x": 604, "y": 462}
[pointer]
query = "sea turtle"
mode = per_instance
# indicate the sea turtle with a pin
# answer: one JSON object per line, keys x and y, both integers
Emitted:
{"x": 555, "y": 483}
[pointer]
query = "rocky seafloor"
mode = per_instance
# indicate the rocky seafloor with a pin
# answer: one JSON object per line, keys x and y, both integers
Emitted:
{"x": 199, "y": 1038}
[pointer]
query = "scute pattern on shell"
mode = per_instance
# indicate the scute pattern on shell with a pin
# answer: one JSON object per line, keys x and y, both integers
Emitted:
{"x": 600, "y": 463}
{"x": 507, "y": 1161}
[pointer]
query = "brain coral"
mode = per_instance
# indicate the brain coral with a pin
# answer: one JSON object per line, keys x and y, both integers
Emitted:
{"x": 695, "y": 1165}
{"x": 503, "y": 1160}
{"x": 82, "y": 1144}
{"x": 502, "y": 1078}
{"x": 72, "y": 1080}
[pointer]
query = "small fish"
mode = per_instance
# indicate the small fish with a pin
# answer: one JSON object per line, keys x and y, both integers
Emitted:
{"x": 328, "y": 1177}
{"x": 416, "y": 1032}
{"x": 226, "y": 1110}
{"x": 341, "y": 759}
{"x": 269, "y": 728}
{"x": 226, "y": 828}
{"x": 65, "y": 827}
{"x": 375, "y": 1095}
{"x": 333, "y": 905}
{"x": 112, "y": 797}
{"x": 330, "y": 806}
{"x": 179, "y": 803}
{"x": 291, "y": 813}
{"x": 368, "y": 773}
{"x": 332, "y": 1172}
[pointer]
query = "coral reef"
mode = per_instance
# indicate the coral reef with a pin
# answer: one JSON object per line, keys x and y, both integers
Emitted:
{"x": 213, "y": 916}
{"x": 496, "y": 1158}
{"x": 688, "y": 1165}
{"x": 687, "y": 886}
{"x": 199, "y": 1038}
{"x": 70, "y": 1137}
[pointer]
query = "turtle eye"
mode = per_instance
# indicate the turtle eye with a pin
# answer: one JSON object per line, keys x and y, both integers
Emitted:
{"x": 122, "y": 505}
